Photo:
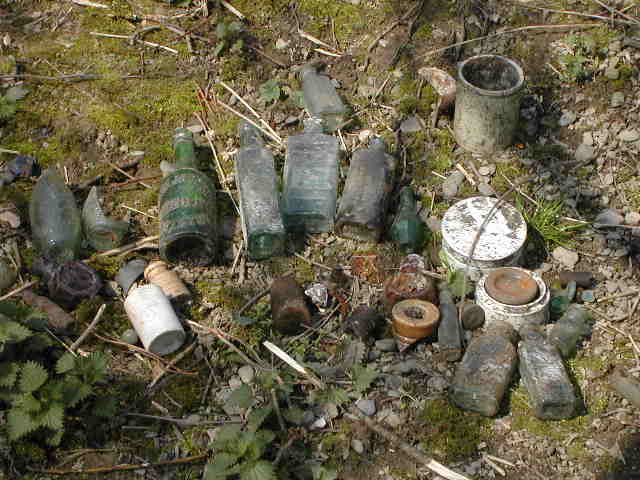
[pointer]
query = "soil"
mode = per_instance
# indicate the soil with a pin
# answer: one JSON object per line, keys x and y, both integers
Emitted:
{"x": 94, "y": 101}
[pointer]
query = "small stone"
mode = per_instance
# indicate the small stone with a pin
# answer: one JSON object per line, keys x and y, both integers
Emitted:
{"x": 617, "y": 99}
{"x": 129, "y": 337}
{"x": 394, "y": 420}
{"x": 632, "y": 218}
{"x": 585, "y": 153}
{"x": 364, "y": 135}
{"x": 357, "y": 446}
{"x": 451, "y": 184}
{"x": 629, "y": 135}
{"x": 487, "y": 170}
{"x": 609, "y": 217}
{"x": 433, "y": 223}
{"x": 235, "y": 382}
{"x": 246, "y": 373}
{"x": 612, "y": 73}
{"x": 11, "y": 217}
{"x": 405, "y": 367}
{"x": 472, "y": 317}
{"x": 366, "y": 406}
{"x": 319, "y": 423}
{"x": 587, "y": 138}
{"x": 486, "y": 189}
{"x": 437, "y": 383}
{"x": 281, "y": 44}
{"x": 386, "y": 345}
{"x": 566, "y": 257}
{"x": 607, "y": 179}
{"x": 567, "y": 118}
{"x": 411, "y": 125}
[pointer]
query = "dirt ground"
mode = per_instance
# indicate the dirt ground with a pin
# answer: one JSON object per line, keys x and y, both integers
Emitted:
{"x": 108, "y": 82}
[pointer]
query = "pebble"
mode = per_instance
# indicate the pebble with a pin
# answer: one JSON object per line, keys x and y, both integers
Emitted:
{"x": 10, "y": 217}
{"x": 566, "y": 257}
{"x": 585, "y": 153}
{"x": 472, "y": 317}
{"x": 246, "y": 373}
{"x": 235, "y": 382}
{"x": 433, "y": 223}
{"x": 609, "y": 217}
{"x": 281, "y": 44}
{"x": 451, "y": 184}
{"x": 612, "y": 73}
{"x": 567, "y": 118}
{"x": 129, "y": 337}
{"x": 629, "y": 135}
{"x": 617, "y": 99}
{"x": 319, "y": 423}
{"x": 386, "y": 345}
{"x": 366, "y": 406}
{"x": 405, "y": 367}
{"x": 437, "y": 383}
{"x": 486, "y": 189}
{"x": 411, "y": 125}
{"x": 587, "y": 138}
{"x": 486, "y": 170}
{"x": 632, "y": 218}
{"x": 394, "y": 420}
{"x": 358, "y": 446}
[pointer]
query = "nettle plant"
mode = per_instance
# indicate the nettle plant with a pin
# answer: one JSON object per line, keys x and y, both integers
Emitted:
{"x": 39, "y": 383}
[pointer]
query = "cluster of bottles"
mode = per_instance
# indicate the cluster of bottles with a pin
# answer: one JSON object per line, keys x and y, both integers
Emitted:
{"x": 308, "y": 202}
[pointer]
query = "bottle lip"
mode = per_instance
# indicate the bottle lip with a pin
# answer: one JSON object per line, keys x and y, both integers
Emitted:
{"x": 182, "y": 134}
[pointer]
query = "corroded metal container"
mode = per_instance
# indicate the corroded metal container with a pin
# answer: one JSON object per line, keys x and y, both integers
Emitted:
{"x": 289, "y": 311}
{"x": 535, "y": 312}
{"x": 501, "y": 241}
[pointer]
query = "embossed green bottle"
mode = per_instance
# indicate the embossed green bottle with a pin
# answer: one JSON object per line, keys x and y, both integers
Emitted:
{"x": 188, "y": 214}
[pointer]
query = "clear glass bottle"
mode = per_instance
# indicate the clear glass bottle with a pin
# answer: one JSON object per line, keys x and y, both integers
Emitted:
{"x": 321, "y": 98}
{"x": 364, "y": 201}
{"x": 102, "y": 232}
{"x": 188, "y": 214}
{"x": 551, "y": 393}
{"x": 486, "y": 369}
{"x": 310, "y": 180}
{"x": 449, "y": 332}
{"x": 56, "y": 227}
{"x": 576, "y": 323}
{"x": 262, "y": 224}
{"x": 408, "y": 230}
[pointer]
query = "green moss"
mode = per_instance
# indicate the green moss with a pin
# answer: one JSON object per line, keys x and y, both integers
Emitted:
{"x": 107, "y": 267}
{"x": 347, "y": 18}
{"x": 442, "y": 158}
{"x": 186, "y": 390}
{"x": 221, "y": 294}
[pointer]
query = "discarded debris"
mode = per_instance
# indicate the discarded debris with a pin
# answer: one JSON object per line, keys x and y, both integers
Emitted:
{"x": 68, "y": 283}
{"x": 320, "y": 97}
{"x": 626, "y": 386}
{"x": 102, "y": 232}
{"x": 57, "y": 318}
{"x": 449, "y": 331}
{"x": 413, "y": 320}
{"x": 21, "y": 166}
{"x": 408, "y": 230}
{"x": 289, "y": 311}
{"x": 582, "y": 279}
{"x": 172, "y": 286}
{"x": 129, "y": 274}
{"x": 574, "y": 325}
{"x": 408, "y": 284}
{"x": 310, "y": 180}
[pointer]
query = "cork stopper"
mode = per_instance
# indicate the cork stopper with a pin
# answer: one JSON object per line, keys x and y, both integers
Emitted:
{"x": 170, "y": 283}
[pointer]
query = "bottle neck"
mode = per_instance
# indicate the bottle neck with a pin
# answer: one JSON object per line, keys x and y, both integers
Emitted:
{"x": 184, "y": 149}
{"x": 250, "y": 136}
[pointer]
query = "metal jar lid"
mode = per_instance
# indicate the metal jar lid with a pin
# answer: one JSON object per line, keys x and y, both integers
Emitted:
{"x": 500, "y": 242}
{"x": 512, "y": 286}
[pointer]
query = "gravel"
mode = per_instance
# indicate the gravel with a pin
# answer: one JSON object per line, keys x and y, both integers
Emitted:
{"x": 451, "y": 185}
{"x": 366, "y": 406}
{"x": 246, "y": 373}
{"x": 565, "y": 257}
{"x": 585, "y": 153}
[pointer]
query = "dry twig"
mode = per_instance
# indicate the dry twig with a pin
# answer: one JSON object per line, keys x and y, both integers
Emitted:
{"x": 126, "y": 467}
{"x": 74, "y": 346}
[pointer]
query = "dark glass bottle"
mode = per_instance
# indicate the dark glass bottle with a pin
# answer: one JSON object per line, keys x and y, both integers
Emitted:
{"x": 188, "y": 214}
{"x": 364, "y": 201}
{"x": 449, "y": 332}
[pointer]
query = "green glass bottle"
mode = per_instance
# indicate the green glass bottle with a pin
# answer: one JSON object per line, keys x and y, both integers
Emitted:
{"x": 188, "y": 214}
{"x": 408, "y": 230}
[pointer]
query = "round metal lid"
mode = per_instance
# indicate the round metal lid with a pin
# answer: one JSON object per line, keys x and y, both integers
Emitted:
{"x": 503, "y": 235}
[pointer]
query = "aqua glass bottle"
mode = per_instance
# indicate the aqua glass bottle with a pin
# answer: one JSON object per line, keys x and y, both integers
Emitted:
{"x": 188, "y": 214}
{"x": 364, "y": 202}
{"x": 56, "y": 228}
{"x": 321, "y": 98}
{"x": 408, "y": 231}
{"x": 262, "y": 224}
{"x": 575, "y": 324}
{"x": 310, "y": 180}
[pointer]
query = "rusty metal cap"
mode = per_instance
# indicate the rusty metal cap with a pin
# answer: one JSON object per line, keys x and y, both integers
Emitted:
{"x": 415, "y": 318}
{"x": 511, "y": 286}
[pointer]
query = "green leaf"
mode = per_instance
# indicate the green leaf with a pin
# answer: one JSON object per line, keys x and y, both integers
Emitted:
{"x": 270, "y": 91}
{"x": 335, "y": 395}
{"x": 53, "y": 417}
{"x": 9, "y": 374}
{"x": 221, "y": 30}
{"x": 363, "y": 377}
{"x": 297, "y": 97}
{"x": 55, "y": 439}
{"x": 19, "y": 423}
{"x": 13, "y": 332}
{"x": 321, "y": 473}
{"x": 220, "y": 466}
{"x": 27, "y": 402}
{"x": 32, "y": 376}
{"x": 15, "y": 93}
{"x": 261, "y": 470}
{"x": 65, "y": 363}
{"x": 7, "y": 108}
{"x": 459, "y": 285}
{"x": 293, "y": 415}
{"x": 217, "y": 50}
{"x": 105, "y": 406}
{"x": 257, "y": 417}
{"x": 241, "y": 397}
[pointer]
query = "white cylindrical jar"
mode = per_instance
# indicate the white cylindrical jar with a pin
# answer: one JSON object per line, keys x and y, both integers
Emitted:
{"x": 535, "y": 312}
{"x": 154, "y": 319}
{"x": 501, "y": 242}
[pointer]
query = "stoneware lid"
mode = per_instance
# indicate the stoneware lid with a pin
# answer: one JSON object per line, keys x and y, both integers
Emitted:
{"x": 415, "y": 318}
{"x": 503, "y": 235}
{"x": 511, "y": 286}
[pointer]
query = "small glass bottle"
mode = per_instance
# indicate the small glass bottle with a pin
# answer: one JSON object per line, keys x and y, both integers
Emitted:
{"x": 408, "y": 230}
{"x": 363, "y": 205}
{"x": 486, "y": 369}
{"x": 188, "y": 214}
{"x": 575, "y": 324}
{"x": 321, "y": 98}
{"x": 310, "y": 180}
{"x": 56, "y": 227}
{"x": 551, "y": 392}
{"x": 449, "y": 332}
{"x": 262, "y": 225}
